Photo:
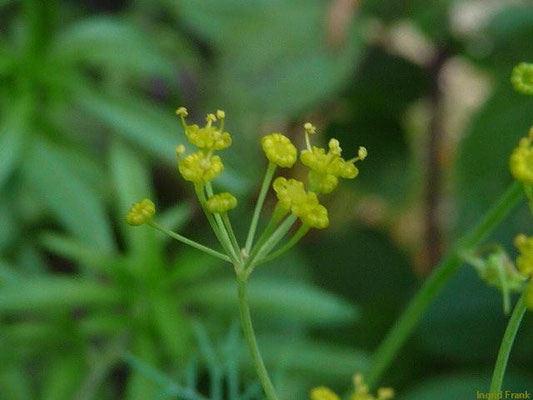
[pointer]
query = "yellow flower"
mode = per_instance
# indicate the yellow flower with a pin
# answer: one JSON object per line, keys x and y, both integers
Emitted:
{"x": 323, "y": 393}
{"x": 522, "y": 78}
{"x": 362, "y": 391}
{"x": 221, "y": 203}
{"x": 322, "y": 183}
{"x": 208, "y": 137}
{"x": 200, "y": 167}
{"x": 141, "y": 212}
{"x": 327, "y": 166}
{"x": 305, "y": 205}
{"x": 311, "y": 212}
{"x": 521, "y": 162}
{"x": 279, "y": 150}
{"x": 289, "y": 192}
{"x": 524, "y": 261}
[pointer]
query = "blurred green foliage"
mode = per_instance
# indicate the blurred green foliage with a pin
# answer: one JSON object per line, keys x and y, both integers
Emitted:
{"x": 92, "y": 309}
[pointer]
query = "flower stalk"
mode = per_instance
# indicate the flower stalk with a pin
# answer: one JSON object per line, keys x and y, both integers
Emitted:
{"x": 402, "y": 329}
{"x": 294, "y": 202}
{"x": 507, "y": 344}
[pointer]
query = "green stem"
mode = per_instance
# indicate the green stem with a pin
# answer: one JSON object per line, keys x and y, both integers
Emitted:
{"x": 403, "y": 327}
{"x": 300, "y": 233}
{"x": 507, "y": 344}
{"x": 269, "y": 174}
{"x": 223, "y": 240}
{"x": 235, "y": 252}
{"x": 249, "y": 335}
{"x": 190, "y": 242}
{"x": 270, "y": 243}
{"x": 229, "y": 228}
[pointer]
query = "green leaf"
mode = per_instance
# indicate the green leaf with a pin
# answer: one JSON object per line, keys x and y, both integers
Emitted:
{"x": 112, "y": 44}
{"x": 307, "y": 357}
{"x": 137, "y": 120}
{"x": 144, "y": 381}
{"x": 286, "y": 300}
{"x": 78, "y": 251}
{"x": 55, "y": 293}
{"x": 172, "y": 326}
{"x": 63, "y": 376}
{"x": 132, "y": 182}
{"x": 74, "y": 203}
{"x": 175, "y": 217}
{"x": 8, "y": 274}
{"x": 278, "y": 61}
{"x": 12, "y": 137}
{"x": 14, "y": 382}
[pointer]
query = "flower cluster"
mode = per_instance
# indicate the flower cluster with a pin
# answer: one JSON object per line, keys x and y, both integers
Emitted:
{"x": 361, "y": 392}
{"x": 305, "y": 205}
{"x": 279, "y": 150}
{"x": 522, "y": 78}
{"x": 524, "y": 261}
{"x": 140, "y": 213}
{"x": 521, "y": 162}
{"x": 325, "y": 169}
{"x": 203, "y": 166}
{"x": 221, "y": 203}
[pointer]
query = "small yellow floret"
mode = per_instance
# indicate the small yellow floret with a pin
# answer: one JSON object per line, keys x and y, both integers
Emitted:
{"x": 521, "y": 162}
{"x": 327, "y": 167}
{"x": 323, "y": 393}
{"x": 312, "y": 213}
{"x": 141, "y": 212}
{"x": 200, "y": 167}
{"x": 309, "y": 128}
{"x": 208, "y": 137}
{"x": 305, "y": 205}
{"x": 385, "y": 394}
{"x": 289, "y": 192}
{"x": 522, "y": 78}
{"x": 362, "y": 391}
{"x": 221, "y": 203}
{"x": 182, "y": 112}
{"x": 362, "y": 153}
{"x": 180, "y": 149}
{"x": 279, "y": 150}
{"x": 524, "y": 261}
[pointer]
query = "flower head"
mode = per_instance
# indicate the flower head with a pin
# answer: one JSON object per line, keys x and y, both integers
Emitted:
{"x": 209, "y": 137}
{"x": 524, "y": 261}
{"x": 323, "y": 393}
{"x": 327, "y": 166}
{"x": 141, "y": 212}
{"x": 221, "y": 203}
{"x": 279, "y": 150}
{"x": 522, "y": 78}
{"x": 362, "y": 391}
{"x": 200, "y": 167}
{"x": 305, "y": 205}
{"x": 521, "y": 162}
{"x": 289, "y": 192}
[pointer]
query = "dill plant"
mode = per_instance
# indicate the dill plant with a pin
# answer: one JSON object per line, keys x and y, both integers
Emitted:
{"x": 298, "y": 204}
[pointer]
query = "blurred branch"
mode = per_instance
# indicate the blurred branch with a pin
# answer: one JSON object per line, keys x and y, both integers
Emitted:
{"x": 433, "y": 230}
{"x": 404, "y": 326}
